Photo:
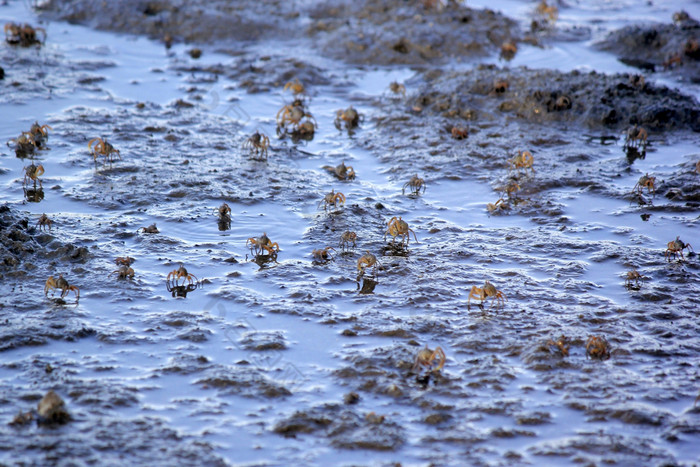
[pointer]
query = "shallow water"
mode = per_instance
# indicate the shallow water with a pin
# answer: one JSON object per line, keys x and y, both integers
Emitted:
{"x": 254, "y": 366}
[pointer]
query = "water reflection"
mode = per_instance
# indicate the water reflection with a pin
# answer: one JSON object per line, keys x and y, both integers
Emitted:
{"x": 33, "y": 195}
{"x": 180, "y": 291}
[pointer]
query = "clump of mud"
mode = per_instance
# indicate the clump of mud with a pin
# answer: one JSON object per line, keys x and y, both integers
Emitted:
{"x": 655, "y": 47}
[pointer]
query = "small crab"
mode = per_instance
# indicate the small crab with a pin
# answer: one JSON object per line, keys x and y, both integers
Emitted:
{"x": 500, "y": 86}
{"x": 459, "y": 132}
{"x": 508, "y": 50}
{"x": 636, "y": 137}
{"x": 124, "y": 261}
{"x": 332, "y": 199}
{"x": 597, "y": 347}
{"x": 23, "y": 34}
{"x": 368, "y": 260}
{"x": 102, "y": 148}
{"x": 397, "y": 88}
{"x": 346, "y": 238}
{"x": 551, "y": 12}
{"x": 349, "y": 117}
{"x": 632, "y": 276}
{"x": 292, "y": 115}
{"x": 258, "y": 244}
{"x": 181, "y": 273}
{"x": 33, "y": 172}
{"x": 523, "y": 160}
{"x": 645, "y": 181}
{"x": 499, "y": 205}
{"x": 295, "y": 86}
{"x": 561, "y": 345}
{"x": 676, "y": 248}
{"x": 124, "y": 272}
{"x": 24, "y": 144}
{"x": 62, "y": 284}
{"x": 399, "y": 227}
{"x": 342, "y": 171}
{"x": 151, "y": 229}
{"x": 40, "y": 134}
{"x": 415, "y": 184}
{"x": 427, "y": 357}
{"x": 224, "y": 212}
{"x": 483, "y": 293}
{"x": 510, "y": 188}
{"x": 322, "y": 255}
{"x": 258, "y": 143}
{"x": 44, "y": 221}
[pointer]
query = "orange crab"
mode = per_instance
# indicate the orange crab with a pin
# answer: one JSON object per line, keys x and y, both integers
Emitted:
{"x": 597, "y": 347}
{"x": 499, "y": 205}
{"x": 23, "y": 34}
{"x": 399, "y": 227}
{"x": 636, "y": 137}
{"x": 524, "y": 160}
{"x": 332, "y": 199}
{"x": 262, "y": 243}
{"x": 296, "y": 87}
{"x": 151, "y": 229}
{"x": 291, "y": 115}
{"x": 368, "y": 260}
{"x": 427, "y": 357}
{"x": 349, "y": 117}
{"x": 181, "y": 273}
{"x": 342, "y": 171}
{"x": 44, "y": 221}
{"x": 459, "y": 132}
{"x": 322, "y": 255}
{"x": 346, "y": 238}
{"x": 33, "y": 172}
{"x": 103, "y": 148}
{"x": 508, "y": 50}
{"x": 487, "y": 291}
{"x": 397, "y": 88}
{"x": 632, "y": 276}
{"x": 123, "y": 272}
{"x": 40, "y": 134}
{"x": 645, "y": 181}
{"x": 258, "y": 143}
{"x": 62, "y": 284}
{"x": 415, "y": 185}
{"x": 24, "y": 144}
{"x": 676, "y": 248}
{"x": 561, "y": 345}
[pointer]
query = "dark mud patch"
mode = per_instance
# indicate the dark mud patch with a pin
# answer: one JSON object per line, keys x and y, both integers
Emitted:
{"x": 659, "y": 47}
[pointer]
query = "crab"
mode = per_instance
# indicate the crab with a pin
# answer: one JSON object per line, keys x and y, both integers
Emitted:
{"x": 499, "y": 205}
{"x": 224, "y": 212}
{"x": 399, "y": 227}
{"x": 346, "y": 238}
{"x": 342, "y": 171}
{"x": 44, "y": 221}
{"x": 62, "y": 284}
{"x": 397, "y": 88}
{"x": 510, "y": 188}
{"x": 551, "y": 12}
{"x": 257, "y": 245}
{"x": 632, "y": 276}
{"x": 459, "y": 132}
{"x": 483, "y": 293}
{"x": 636, "y": 137}
{"x": 24, "y": 144}
{"x": 33, "y": 172}
{"x": 349, "y": 117}
{"x": 40, "y": 134}
{"x": 292, "y": 115}
{"x": 523, "y": 160}
{"x": 508, "y": 50}
{"x": 561, "y": 344}
{"x": 322, "y": 255}
{"x": 427, "y": 357}
{"x": 103, "y": 148}
{"x": 676, "y": 248}
{"x": 597, "y": 347}
{"x": 181, "y": 273}
{"x": 23, "y": 34}
{"x": 124, "y": 272}
{"x": 645, "y": 181}
{"x": 368, "y": 260}
{"x": 258, "y": 143}
{"x": 124, "y": 261}
{"x": 296, "y": 87}
{"x": 500, "y": 86}
{"x": 332, "y": 199}
{"x": 151, "y": 229}
{"x": 415, "y": 184}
